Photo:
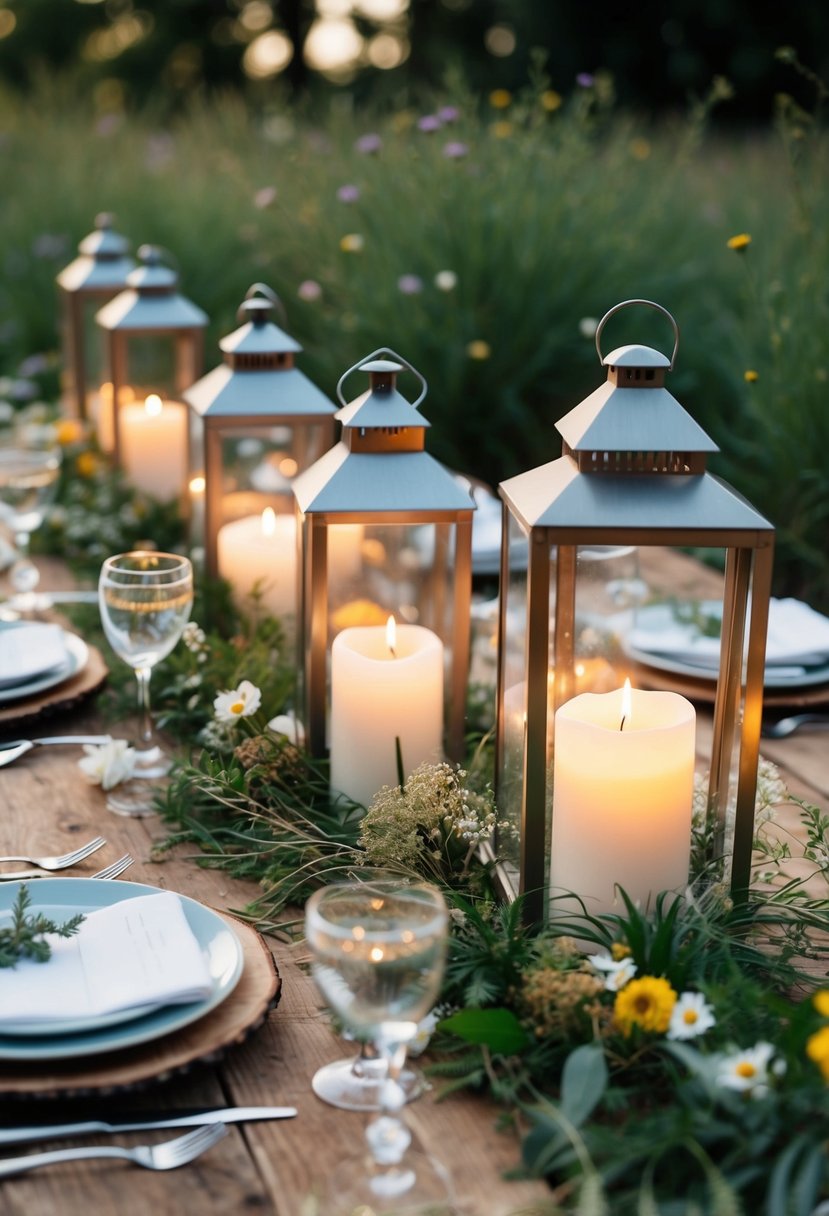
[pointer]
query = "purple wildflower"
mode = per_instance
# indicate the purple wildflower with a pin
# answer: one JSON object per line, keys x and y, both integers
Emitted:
{"x": 348, "y": 194}
{"x": 429, "y": 122}
{"x": 309, "y": 289}
{"x": 50, "y": 246}
{"x": 449, "y": 113}
{"x": 455, "y": 149}
{"x": 264, "y": 197}
{"x": 410, "y": 284}
{"x": 369, "y": 143}
{"x": 585, "y": 80}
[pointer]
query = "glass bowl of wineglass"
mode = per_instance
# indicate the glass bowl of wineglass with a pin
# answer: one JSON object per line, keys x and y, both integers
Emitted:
{"x": 145, "y": 600}
{"x": 28, "y": 483}
{"x": 378, "y": 953}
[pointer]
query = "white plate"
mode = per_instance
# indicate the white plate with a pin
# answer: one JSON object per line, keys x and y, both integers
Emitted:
{"x": 60, "y": 898}
{"x": 77, "y": 656}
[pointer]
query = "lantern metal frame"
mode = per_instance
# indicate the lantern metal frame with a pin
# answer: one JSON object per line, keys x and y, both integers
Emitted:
{"x": 257, "y": 387}
{"x": 96, "y": 276}
{"x": 380, "y": 473}
{"x": 151, "y": 307}
{"x": 632, "y": 472}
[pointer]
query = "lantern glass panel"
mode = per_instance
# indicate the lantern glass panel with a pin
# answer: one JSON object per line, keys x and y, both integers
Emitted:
{"x": 513, "y": 663}
{"x": 150, "y": 364}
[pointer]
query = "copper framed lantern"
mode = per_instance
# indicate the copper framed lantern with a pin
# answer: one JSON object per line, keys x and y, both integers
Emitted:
{"x": 154, "y": 342}
{"x": 597, "y": 795}
{"x": 259, "y": 422}
{"x": 386, "y": 531}
{"x": 95, "y": 276}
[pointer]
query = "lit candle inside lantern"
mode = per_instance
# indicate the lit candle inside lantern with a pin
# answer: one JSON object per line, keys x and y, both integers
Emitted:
{"x": 261, "y": 550}
{"x": 100, "y": 406}
{"x": 153, "y": 441}
{"x": 623, "y": 780}
{"x": 386, "y": 685}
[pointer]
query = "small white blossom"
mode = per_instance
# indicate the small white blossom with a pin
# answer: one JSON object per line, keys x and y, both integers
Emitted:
{"x": 238, "y": 702}
{"x": 588, "y": 327}
{"x": 425, "y": 1030}
{"x": 108, "y": 764}
{"x": 616, "y": 973}
{"x": 194, "y": 638}
{"x": 446, "y": 280}
{"x": 691, "y": 1016}
{"x": 747, "y": 1071}
{"x": 289, "y": 725}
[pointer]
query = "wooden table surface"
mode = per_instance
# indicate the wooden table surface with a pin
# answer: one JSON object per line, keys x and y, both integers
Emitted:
{"x": 264, "y": 1167}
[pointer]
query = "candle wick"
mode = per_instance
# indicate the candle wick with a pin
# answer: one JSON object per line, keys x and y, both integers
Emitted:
{"x": 392, "y": 652}
{"x": 622, "y": 723}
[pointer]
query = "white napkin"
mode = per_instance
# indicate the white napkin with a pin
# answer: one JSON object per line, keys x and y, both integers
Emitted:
{"x": 137, "y": 952}
{"x": 27, "y": 651}
{"x": 798, "y": 637}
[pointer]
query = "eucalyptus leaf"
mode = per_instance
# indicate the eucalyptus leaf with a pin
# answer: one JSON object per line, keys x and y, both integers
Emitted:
{"x": 583, "y": 1082}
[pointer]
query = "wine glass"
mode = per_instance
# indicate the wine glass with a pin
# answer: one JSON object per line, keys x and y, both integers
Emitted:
{"x": 378, "y": 954}
{"x": 28, "y": 483}
{"x": 145, "y": 600}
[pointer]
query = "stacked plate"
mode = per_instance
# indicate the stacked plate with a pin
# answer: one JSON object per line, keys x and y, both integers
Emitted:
{"x": 207, "y": 941}
{"x": 684, "y": 638}
{"x": 35, "y": 657}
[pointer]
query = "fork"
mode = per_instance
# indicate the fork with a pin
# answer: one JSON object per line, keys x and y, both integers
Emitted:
{"x": 787, "y": 726}
{"x": 61, "y": 862}
{"x": 168, "y": 1155}
{"x": 117, "y": 867}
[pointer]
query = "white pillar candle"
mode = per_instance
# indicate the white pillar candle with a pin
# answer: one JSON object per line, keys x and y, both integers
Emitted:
{"x": 622, "y": 797}
{"x": 383, "y": 689}
{"x": 153, "y": 441}
{"x": 260, "y": 549}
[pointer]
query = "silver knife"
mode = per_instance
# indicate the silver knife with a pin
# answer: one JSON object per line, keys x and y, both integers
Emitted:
{"x": 197, "y": 1118}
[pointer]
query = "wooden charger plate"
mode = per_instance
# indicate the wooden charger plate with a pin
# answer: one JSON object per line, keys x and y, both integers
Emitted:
{"x": 704, "y": 690}
{"x": 257, "y": 992}
{"x": 61, "y": 696}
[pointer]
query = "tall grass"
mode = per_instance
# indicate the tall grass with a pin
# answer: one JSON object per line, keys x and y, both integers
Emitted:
{"x": 546, "y": 215}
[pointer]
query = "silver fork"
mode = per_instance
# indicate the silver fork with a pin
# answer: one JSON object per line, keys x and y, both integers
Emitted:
{"x": 166, "y": 1156}
{"x": 117, "y": 867}
{"x": 60, "y": 862}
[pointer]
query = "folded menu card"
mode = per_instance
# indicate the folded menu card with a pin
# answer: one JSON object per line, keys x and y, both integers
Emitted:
{"x": 134, "y": 953}
{"x": 27, "y": 651}
{"x": 797, "y": 637}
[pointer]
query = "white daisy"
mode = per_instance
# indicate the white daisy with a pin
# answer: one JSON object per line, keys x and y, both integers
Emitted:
{"x": 616, "y": 973}
{"x": 747, "y": 1071}
{"x": 238, "y": 702}
{"x": 691, "y": 1016}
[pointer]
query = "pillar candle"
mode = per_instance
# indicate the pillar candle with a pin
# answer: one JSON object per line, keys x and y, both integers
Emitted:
{"x": 384, "y": 689}
{"x": 261, "y": 549}
{"x": 622, "y": 797}
{"x": 153, "y": 441}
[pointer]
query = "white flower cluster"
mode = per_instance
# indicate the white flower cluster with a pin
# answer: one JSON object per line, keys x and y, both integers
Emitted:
{"x": 195, "y": 640}
{"x": 108, "y": 764}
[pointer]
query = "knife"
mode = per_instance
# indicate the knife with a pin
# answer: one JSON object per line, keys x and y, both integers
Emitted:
{"x": 190, "y": 1118}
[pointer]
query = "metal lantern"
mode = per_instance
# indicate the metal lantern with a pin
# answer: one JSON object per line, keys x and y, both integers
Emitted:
{"x": 154, "y": 352}
{"x": 385, "y": 530}
{"x": 261, "y": 422}
{"x": 85, "y": 284}
{"x": 632, "y": 473}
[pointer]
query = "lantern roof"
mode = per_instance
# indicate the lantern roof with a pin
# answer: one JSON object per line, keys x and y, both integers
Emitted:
{"x": 342, "y": 482}
{"x": 636, "y": 356}
{"x": 258, "y": 335}
{"x": 558, "y": 495}
{"x": 104, "y": 261}
{"x": 227, "y": 393}
{"x": 381, "y": 405}
{"x": 150, "y": 301}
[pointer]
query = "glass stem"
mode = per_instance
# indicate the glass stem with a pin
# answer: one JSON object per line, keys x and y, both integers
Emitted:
{"x": 387, "y": 1136}
{"x": 142, "y": 676}
{"x": 21, "y": 544}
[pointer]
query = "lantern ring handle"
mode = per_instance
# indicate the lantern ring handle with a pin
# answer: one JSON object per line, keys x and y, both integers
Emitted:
{"x": 159, "y": 255}
{"x": 648, "y": 304}
{"x": 382, "y": 350}
{"x": 262, "y": 289}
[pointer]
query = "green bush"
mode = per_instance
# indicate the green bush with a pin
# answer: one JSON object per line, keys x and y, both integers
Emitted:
{"x": 547, "y": 212}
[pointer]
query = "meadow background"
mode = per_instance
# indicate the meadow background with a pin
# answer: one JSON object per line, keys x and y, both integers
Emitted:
{"x": 479, "y": 231}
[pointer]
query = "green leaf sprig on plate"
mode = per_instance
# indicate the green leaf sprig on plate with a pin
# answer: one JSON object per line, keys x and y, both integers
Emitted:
{"x": 25, "y": 936}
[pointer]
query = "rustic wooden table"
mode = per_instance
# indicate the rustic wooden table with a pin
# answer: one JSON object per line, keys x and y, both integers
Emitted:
{"x": 262, "y": 1167}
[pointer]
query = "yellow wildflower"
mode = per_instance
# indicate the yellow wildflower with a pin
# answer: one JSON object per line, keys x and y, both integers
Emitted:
{"x": 751, "y": 376}
{"x": 500, "y": 99}
{"x": 502, "y": 130}
{"x": 478, "y": 349}
{"x": 87, "y": 464}
{"x": 550, "y": 100}
{"x": 352, "y": 242}
{"x": 69, "y": 430}
{"x": 647, "y": 1002}
{"x": 619, "y": 950}
{"x": 817, "y": 1049}
{"x": 739, "y": 242}
{"x": 640, "y": 148}
{"x": 821, "y": 1002}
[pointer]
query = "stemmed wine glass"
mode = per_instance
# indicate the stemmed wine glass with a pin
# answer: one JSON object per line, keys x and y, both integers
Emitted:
{"x": 378, "y": 953}
{"x": 145, "y": 600}
{"x": 28, "y": 482}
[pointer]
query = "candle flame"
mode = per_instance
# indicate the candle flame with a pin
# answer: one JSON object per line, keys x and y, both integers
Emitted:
{"x": 153, "y": 405}
{"x": 391, "y": 634}
{"x": 268, "y": 521}
{"x": 626, "y": 705}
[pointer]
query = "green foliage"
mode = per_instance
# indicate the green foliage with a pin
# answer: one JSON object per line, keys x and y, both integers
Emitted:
{"x": 25, "y": 936}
